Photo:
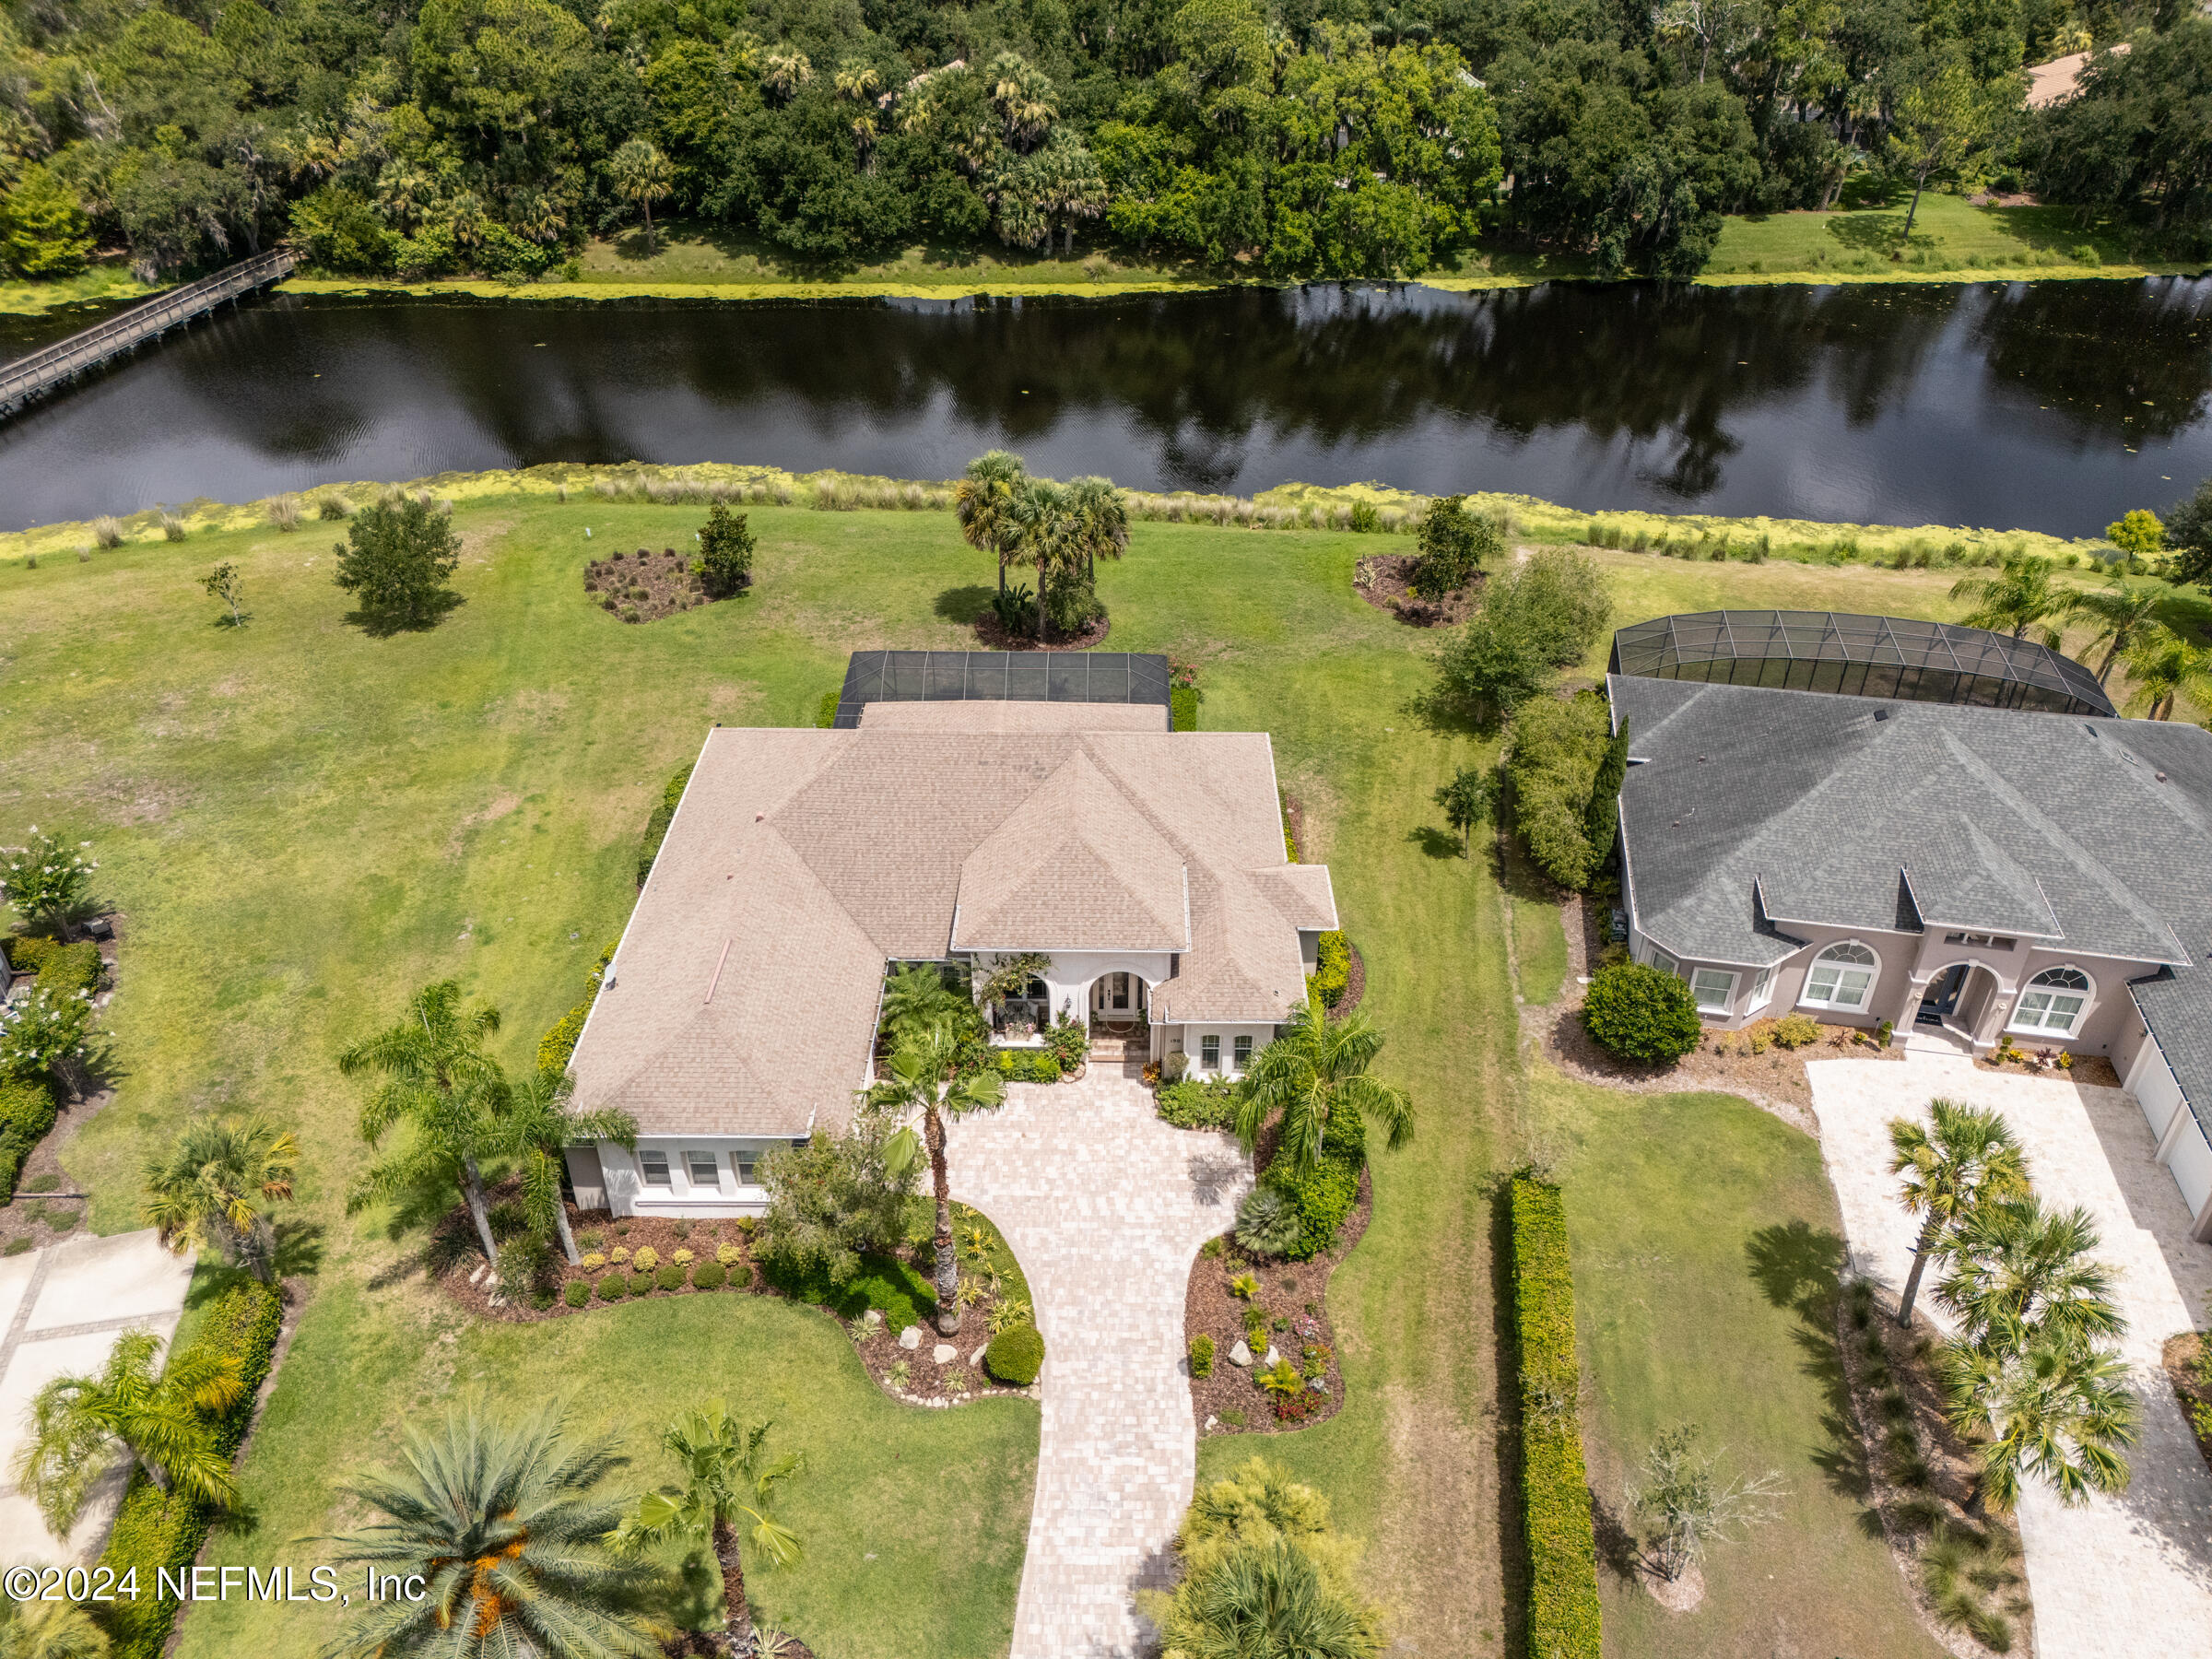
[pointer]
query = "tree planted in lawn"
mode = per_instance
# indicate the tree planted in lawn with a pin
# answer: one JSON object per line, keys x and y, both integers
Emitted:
{"x": 922, "y": 1081}
{"x": 725, "y": 552}
{"x": 2125, "y": 618}
{"x": 224, "y": 582}
{"x": 1963, "y": 1155}
{"x": 981, "y": 500}
{"x": 726, "y": 1478}
{"x": 1639, "y": 1013}
{"x": 396, "y": 558}
{"x": 1466, "y": 801}
{"x": 535, "y": 1126}
{"x": 2163, "y": 667}
{"x": 1315, "y": 1071}
{"x": 1453, "y": 543}
{"x": 1687, "y": 1506}
{"x": 2019, "y": 596}
{"x": 216, "y": 1185}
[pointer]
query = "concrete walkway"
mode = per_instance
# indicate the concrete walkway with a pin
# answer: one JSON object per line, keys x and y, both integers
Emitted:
{"x": 61, "y": 1310}
{"x": 2125, "y": 1575}
{"x": 1106, "y": 1207}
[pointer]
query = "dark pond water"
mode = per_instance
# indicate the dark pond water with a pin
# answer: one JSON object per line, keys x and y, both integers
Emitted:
{"x": 2052, "y": 406}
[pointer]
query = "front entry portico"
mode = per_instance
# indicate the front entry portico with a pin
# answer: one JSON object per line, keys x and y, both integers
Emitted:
{"x": 1117, "y": 1001}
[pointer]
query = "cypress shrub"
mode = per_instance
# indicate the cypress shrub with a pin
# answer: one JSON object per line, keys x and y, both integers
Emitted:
{"x": 1563, "y": 1614}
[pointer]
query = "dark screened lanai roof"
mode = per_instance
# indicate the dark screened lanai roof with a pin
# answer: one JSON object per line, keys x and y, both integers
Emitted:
{"x": 1095, "y": 676}
{"x": 1861, "y": 656}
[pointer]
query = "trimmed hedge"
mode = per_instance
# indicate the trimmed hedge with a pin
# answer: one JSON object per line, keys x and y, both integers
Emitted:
{"x": 1182, "y": 701}
{"x": 63, "y": 969}
{"x": 656, "y": 827}
{"x": 825, "y": 712}
{"x": 155, "y": 1529}
{"x": 1198, "y": 1103}
{"x": 670, "y": 1278}
{"x": 558, "y": 1044}
{"x": 1016, "y": 1355}
{"x": 1333, "y": 967}
{"x": 1639, "y": 1013}
{"x": 710, "y": 1275}
{"x": 894, "y": 1289}
{"x": 1029, "y": 1065}
{"x": 1564, "y": 1620}
{"x": 27, "y": 1112}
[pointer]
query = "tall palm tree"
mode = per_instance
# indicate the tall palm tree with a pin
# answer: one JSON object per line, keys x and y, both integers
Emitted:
{"x": 49, "y": 1629}
{"x": 438, "y": 1080}
{"x": 1960, "y": 1157}
{"x": 980, "y": 501}
{"x": 76, "y": 1427}
{"x": 1269, "y": 1601}
{"x": 536, "y": 1127}
{"x": 217, "y": 1183}
{"x": 2018, "y": 1268}
{"x": 1315, "y": 1071}
{"x": 1042, "y": 531}
{"x": 2018, "y": 597}
{"x": 2055, "y": 1409}
{"x": 501, "y": 1522}
{"x": 727, "y": 1477}
{"x": 922, "y": 1081}
{"x": 2165, "y": 665}
{"x": 1099, "y": 513}
{"x": 643, "y": 176}
{"x": 2125, "y": 618}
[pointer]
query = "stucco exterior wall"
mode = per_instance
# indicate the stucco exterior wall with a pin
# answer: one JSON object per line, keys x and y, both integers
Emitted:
{"x": 1190, "y": 1039}
{"x": 627, "y": 1193}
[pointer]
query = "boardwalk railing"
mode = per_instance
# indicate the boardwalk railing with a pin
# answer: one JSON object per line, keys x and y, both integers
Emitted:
{"x": 28, "y": 379}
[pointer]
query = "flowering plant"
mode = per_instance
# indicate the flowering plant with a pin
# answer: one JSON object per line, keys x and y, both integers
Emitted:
{"x": 45, "y": 1032}
{"x": 46, "y": 880}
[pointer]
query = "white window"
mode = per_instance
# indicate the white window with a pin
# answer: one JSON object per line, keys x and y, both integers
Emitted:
{"x": 2053, "y": 1002}
{"x": 1842, "y": 977}
{"x": 1243, "y": 1053}
{"x": 1714, "y": 988}
{"x": 1762, "y": 990}
{"x": 743, "y": 1161}
{"x": 1995, "y": 941}
{"x": 1209, "y": 1053}
{"x": 655, "y": 1168}
{"x": 1664, "y": 963}
{"x": 703, "y": 1168}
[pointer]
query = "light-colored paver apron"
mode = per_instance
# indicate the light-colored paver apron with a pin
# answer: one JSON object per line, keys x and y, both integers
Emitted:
{"x": 1106, "y": 1207}
{"x": 61, "y": 1310}
{"x": 2131, "y": 1574}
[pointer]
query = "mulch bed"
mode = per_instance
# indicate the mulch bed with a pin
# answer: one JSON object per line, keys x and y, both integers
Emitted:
{"x": 47, "y": 1206}
{"x": 710, "y": 1646}
{"x": 1355, "y": 983}
{"x": 1385, "y": 582}
{"x": 2195, "y": 1395}
{"x": 1296, "y": 1293}
{"x": 994, "y": 637}
{"x": 645, "y": 586}
{"x": 2094, "y": 1071}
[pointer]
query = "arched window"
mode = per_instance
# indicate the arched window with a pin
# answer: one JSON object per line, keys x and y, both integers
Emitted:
{"x": 2053, "y": 1003}
{"x": 1842, "y": 977}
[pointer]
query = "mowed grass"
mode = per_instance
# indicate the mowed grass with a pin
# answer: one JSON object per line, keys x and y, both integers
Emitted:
{"x": 301, "y": 823}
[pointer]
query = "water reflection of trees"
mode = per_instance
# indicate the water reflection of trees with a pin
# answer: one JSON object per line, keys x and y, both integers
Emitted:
{"x": 2126, "y": 359}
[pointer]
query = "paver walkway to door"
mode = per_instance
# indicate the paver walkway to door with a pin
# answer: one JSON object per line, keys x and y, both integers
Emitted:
{"x": 1105, "y": 1205}
{"x": 2131, "y": 1574}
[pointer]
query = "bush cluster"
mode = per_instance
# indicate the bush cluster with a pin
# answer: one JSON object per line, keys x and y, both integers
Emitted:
{"x": 1323, "y": 1194}
{"x": 63, "y": 969}
{"x": 558, "y": 1044}
{"x": 1563, "y": 1615}
{"x": 1202, "y": 1355}
{"x": 656, "y": 827}
{"x": 1453, "y": 544}
{"x": 1641, "y": 1013}
{"x": 1534, "y": 619}
{"x": 27, "y": 1112}
{"x": 885, "y": 1283}
{"x": 1029, "y": 1065}
{"x": 1557, "y": 759}
{"x": 576, "y": 1292}
{"x": 1198, "y": 1103}
{"x": 1015, "y": 1355}
{"x": 1333, "y": 967}
{"x": 1183, "y": 703}
{"x": 710, "y": 1275}
{"x": 1069, "y": 1041}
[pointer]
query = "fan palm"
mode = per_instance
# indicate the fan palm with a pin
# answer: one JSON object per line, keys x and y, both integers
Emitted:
{"x": 159, "y": 1416}
{"x": 49, "y": 1629}
{"x": 1961, "y": 1156}
{"x": 537, "y": 1127}
{"x": 922, "y": 1081}
{"x": 916, "y": 997}
{"x": 2123, "y": 618}
{"x": 439, "y": 1081}
{"x": 643, "y": 176}
{"x": 2018, "y": 597}
{"x": 217, "y": 1183}
{"x": 725, "y": 1476}
{"x": 1100, "y": 522}
{"x": 980, "y": 501}
{"x": 2055, "y": 1410}
{"x": 2019, "y": 1268}
{"x": 2163, "y": 667}
{"x": 501, "y": 1522}
{"x": 1269, "y": 1601}
{"x": 1317, "y": 1071}
{"x": 1040, "y": 529}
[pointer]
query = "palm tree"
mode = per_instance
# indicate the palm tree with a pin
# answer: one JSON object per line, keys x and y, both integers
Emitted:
{"x": 2013, "y": 600}
{"x": 439, "y": 1081}
{"x": 1042, "y": 532}
{"x": 916, "y": 997}
{"x": 643, "y": 177}
{"x": 218, "y": 1183}
{"x": 537, "y": 1127}
{"x": 2019, "y": 1268}
{"x": 1317, "y": 1071}
{"x": 1963, "y": 1155}
{"x": 725, "y": 1476}
{"x": 49, "y": 1629}
{"x": 2163, "y": 667}
{"x": 159, "y": 1416}
{"x": 2055, "y": 1409}
{"x": 1100, "y": 514}
{"x": 922, "y": 1080}
{"x": 2123, "y": 618}
{"x": 981, "y": 499}
{"x": 1269, "y": 1601}
{"x": 500, "y": 1521}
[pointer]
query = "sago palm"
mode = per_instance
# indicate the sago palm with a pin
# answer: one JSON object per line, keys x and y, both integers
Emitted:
{"x": 980, "y": 501}
{"x": 2056, "y": 1410}
{"x": 438, "y": 1080}
{"x": 920, "y": 1080}
{"x": 1312, "y": 1074}
{"x": 218, "y": 1183}
{"x": 1950, "y": 1164}
{"x": 2018, "y": 1268}
{"x": 2018, "y": 597}
{"x": 726, "y": 1478}
{"x": 536, "y": 1125}
{"x": 502, "y": 1523}
{"x": 2124, "y": 619}
{"x": 160, "y": 1417}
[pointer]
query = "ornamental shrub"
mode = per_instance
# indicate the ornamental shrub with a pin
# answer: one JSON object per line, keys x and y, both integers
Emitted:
{"x": 27, "y": 1112}
{"x": 46, "y": 880}
{"x": 1069, "y": 1041}
{"x": 592, "y": 1261}
{"x": 1015, "y": 1355}
{"x": 1183, "y": 704}
{"x": 1202, "y": 1355}
{"x": 656, "y": 830}
{"x": 1198, "y": 1103}
{"x": 683, "y": 1258}
{"x": 1453, "y": 543}
{"x": 710, "y": 1275}
{"x": 45, "y": 1033}
{"x": 728, "y": 1255}
{"x": 725, "y": 553}
{"x": 1324, "y": 1195}
{"x": 646, "y": 1259}
{"x": 614, "y": 1286}
{"x": 1555, "y": 758}
{"x": 1268, "y": 1223}
{"x": 1029, "y": 1065}
{"x": 1333, "y": 967}
{"x": 670, "y": 1278}
{"x": 576, "y": 1292}
{"x": 1563, "y": 1614}
{"x": 1795, "y": 1030}
{"x": 741, "y": 1275}
{"x": 1641, "y": 1013}
{"x": 620, "y": 1255}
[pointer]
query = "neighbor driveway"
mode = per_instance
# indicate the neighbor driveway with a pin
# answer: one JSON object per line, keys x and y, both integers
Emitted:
{"x": 61, "y": 1310}
{"x": 2131, "y": 1574}
{"x": 1105, "y": 1207}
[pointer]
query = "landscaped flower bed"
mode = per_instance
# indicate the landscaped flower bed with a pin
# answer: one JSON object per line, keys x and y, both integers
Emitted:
{"x": 1385, "y": 582}
{"x": 644, "y": 586}
{"x": 2044, "y": 1061}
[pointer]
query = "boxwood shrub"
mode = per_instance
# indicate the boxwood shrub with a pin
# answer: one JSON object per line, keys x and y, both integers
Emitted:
{"x": 576, "y": 1292}
{"x": 1016, "y": 1355}
{"x": 670, "y": 1278}
{"x": 1563, "y": 1615}
{"x": 614, "y": 1286}
{"x": 710, "y": 1275}
{"x": 1182, "y": 701}
{"x": 1639, "y": 1013}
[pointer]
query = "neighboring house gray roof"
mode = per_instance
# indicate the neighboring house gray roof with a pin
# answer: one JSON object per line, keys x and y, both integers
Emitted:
{"x": 742, "y": 999}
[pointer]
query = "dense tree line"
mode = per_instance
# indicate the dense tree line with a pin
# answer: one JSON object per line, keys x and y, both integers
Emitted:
{"x": 1281, "y": 136}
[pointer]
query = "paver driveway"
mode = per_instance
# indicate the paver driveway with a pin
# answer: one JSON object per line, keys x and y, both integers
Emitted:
{"x": 1105, "y": 1205}
{"x": 2126, "y": 1575}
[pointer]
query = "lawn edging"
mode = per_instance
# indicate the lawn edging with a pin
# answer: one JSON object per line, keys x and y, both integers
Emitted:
{"x": 1564, "y": 1618}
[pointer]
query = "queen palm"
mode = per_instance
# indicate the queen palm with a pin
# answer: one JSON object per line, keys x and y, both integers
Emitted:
{"x": 1314, "y": 1073}
{"x": 535, "y": 1126}
{"x": 159, "y": 1416}
{"x": 439, "y": 1081}
{"x": 2055, "y": 1409}
{"x": 216, "y": 1186}
{"x": 726, "y": 1478}
{"x": 922, "y": 1080}
{"x": 1959, "y": 1156}
{"x": 2018, "y": 597}
{"x": 2018, "y": 1269}
{"x": 2124, "y": 621}
{"x": 2163, "y": 667}
{"x": 980, "y": 501}
{"x": 503, "y": 1524}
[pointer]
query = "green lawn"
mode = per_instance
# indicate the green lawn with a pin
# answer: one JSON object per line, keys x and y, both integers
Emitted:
{"x": 301, "y": 823}
{"x": 108, "y": 281}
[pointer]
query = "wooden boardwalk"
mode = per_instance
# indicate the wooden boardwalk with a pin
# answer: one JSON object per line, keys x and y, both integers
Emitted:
{"x": 28, "y": 379}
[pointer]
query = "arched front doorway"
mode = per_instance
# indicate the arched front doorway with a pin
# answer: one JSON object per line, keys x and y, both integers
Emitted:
{"x": 1117, "y": 1003}
{"x": 1958, "y": 1000}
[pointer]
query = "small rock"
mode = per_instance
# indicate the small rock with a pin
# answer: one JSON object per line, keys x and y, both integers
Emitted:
{"x": 1272, "y": 1357}
{"x": 1240, "y": 1354}
{"x": 910, "y": 1338}
{"x": 944, "y": 1353}
{"x": 1212, "y": 1423}
{"x": 872, "y": 1318}
{"x": 478, "y": 1277}
{"x": 976, "y": 1360}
